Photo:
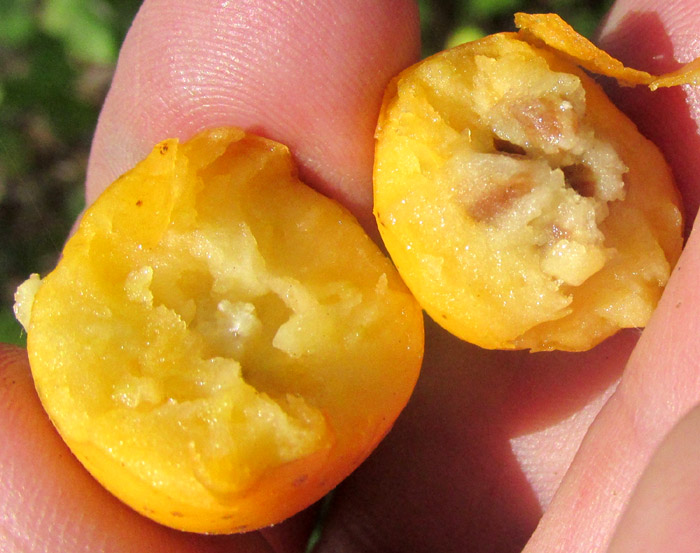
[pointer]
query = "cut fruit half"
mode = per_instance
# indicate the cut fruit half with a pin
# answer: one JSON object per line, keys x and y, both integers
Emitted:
{"x": 220, "y": 345}
{"x": 521, "y": 207}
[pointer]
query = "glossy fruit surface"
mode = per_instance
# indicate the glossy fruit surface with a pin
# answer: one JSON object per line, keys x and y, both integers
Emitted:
{"x": 220, "y": 345}
{"x": 520, "y": 206}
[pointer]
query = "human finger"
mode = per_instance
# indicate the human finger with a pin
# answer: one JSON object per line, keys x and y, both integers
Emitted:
{"x": 662, "y": 512}
{"x": 310, "y": 75}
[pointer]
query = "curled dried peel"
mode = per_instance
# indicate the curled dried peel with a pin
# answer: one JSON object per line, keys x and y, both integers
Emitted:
{"x": 520, "y": 206}
{"x": 219, "y": 344}
{"x": 551, "y": 30}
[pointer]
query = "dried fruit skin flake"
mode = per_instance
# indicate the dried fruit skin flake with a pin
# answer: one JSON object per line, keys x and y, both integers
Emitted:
{"x": 220, "y": 345}
{"x": 521, "y": 207}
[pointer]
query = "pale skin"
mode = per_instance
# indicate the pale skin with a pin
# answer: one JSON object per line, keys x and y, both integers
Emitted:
{"x": 496, "y": 452}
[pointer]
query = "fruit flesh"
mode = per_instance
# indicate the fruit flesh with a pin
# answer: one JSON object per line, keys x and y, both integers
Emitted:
{"x": 521, "y": 207}
{"x": 219, "y": 344}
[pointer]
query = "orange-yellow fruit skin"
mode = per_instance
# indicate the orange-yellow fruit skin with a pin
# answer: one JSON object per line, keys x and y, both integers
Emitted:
{"x": 220, "y": 345}
{"x": 493, "y": 199}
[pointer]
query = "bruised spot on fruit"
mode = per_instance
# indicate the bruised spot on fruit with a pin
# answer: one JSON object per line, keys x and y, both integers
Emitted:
{"x": 499, "y": 198}
{"x": 299, "y": 481}
{"x": 522, "y": 208}
{"x": 548, "y": 119}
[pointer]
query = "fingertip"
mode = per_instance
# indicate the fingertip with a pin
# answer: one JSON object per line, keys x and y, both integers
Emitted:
{"x": 310, "y": 75}
{"x": 669, "y": 31}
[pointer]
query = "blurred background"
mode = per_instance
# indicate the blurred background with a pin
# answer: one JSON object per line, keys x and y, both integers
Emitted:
{"x": 56, "y": 63}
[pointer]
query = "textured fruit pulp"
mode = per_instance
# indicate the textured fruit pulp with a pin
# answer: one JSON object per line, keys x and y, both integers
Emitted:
{"x": 517, "y": 189}
{"x": 201, "y": 337}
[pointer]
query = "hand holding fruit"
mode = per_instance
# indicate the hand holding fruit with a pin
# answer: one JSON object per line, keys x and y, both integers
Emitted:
{"x": 484, "y": 443}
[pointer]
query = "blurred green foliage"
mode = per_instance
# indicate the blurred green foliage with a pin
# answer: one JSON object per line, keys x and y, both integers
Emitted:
{"x": 446, "y": 23}
{"x": 56, "y": 61}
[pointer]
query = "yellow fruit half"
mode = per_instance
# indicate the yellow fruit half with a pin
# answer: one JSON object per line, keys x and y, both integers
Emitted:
{"x": 219, "y": 344}
{"x": 521, "y": 207}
